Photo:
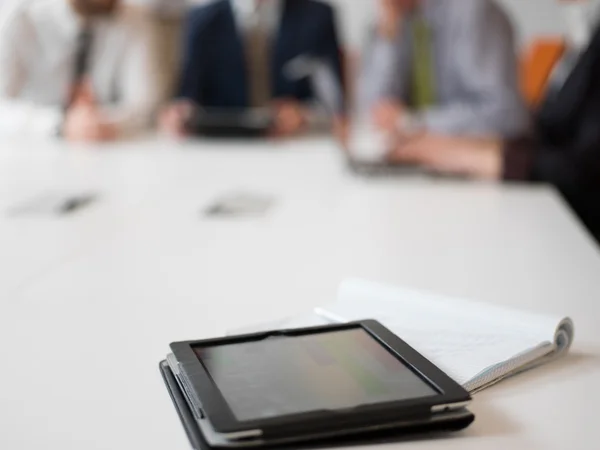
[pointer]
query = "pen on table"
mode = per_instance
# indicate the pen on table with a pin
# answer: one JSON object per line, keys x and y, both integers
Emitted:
{"x": 73, "y": 204}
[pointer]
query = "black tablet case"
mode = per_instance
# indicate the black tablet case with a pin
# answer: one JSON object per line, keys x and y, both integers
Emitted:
{"x": 198, "y": 443}
{"x": 230, "y": 124}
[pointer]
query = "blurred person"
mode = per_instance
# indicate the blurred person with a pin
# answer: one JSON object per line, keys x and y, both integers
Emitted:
{"x": 239, "y": 54}
{"x": 563, "y": 151}
{"x": 167, "y": 18}
{"x": 81, "y": 69}
{"x": 442, "y": 66}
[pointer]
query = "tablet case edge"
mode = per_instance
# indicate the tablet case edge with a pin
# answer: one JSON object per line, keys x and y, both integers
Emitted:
{"x": 198, "y": 443}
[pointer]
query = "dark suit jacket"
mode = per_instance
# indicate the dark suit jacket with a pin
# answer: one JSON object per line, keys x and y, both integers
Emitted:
{"x": 566, "y": 150}
{"x": 214, "y": 68}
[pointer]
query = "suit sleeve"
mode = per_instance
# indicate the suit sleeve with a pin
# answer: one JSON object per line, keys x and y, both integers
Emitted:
{"x": 192, "y": 72}
{"x": 577, "y": 167}
{"x": 573, "y": 170}
{"x": 574, "y": 165}
{"x": 569, "y": 168}
{"x": 332, "y": 52}
{"x": 489, "y": 101}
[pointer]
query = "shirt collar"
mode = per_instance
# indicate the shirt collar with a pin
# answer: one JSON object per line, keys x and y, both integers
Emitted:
{"x": 246, "y": 13}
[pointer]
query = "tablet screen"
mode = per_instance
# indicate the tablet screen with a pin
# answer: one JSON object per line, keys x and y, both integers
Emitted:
{"x": 326, "y": 371}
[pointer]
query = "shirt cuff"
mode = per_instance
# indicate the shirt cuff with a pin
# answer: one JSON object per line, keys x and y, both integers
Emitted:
{"x": 518, "y": 157}
{"x": 47, "y": 122}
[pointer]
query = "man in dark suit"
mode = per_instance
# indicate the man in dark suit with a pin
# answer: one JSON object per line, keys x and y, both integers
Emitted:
{"x": 563, "y": 151}
{"x": 246, "y": 53}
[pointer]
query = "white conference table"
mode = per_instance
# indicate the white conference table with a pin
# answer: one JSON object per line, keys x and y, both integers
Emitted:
{"x": 89, "y": 303}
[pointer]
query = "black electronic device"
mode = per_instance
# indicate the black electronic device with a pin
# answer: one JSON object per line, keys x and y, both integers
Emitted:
{"x": 232, "y": 123}
{"x": 308, "y": 385}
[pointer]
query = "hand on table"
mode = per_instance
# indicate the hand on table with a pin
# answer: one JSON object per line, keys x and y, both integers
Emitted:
{"x": 290, "y": 118}
{"x": 474, "y": 157}
{"x": 175, "y": 117}
{"x": 387, "y": 115}
{"x": 84, "y": 121}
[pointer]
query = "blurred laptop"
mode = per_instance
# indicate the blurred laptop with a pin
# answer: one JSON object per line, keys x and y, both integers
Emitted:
{"x": 366, "y": 149}
{"x": 366, "y": 153}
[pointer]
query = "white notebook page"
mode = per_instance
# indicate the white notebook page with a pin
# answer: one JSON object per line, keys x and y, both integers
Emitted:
{"x": 461, "y": 337}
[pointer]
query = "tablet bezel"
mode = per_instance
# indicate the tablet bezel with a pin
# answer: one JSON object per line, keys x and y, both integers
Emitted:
{"x": 217, "y": 411}
{"x": 232, "y": 122}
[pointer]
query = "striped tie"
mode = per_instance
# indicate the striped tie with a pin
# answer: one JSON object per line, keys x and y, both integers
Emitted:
{"x": 81, "y": 66}
{"x": 423, "y": 77}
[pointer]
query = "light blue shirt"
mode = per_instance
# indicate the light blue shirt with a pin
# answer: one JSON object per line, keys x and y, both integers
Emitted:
{"x": 475, "y": 69}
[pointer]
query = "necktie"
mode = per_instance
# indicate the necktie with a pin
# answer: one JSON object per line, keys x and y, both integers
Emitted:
{"x": 259, "y": 61}
{"x": 82, "y": 62}
{"x": 423, "y": 77}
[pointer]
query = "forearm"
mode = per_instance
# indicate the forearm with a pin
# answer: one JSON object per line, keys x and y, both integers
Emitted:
{"x": 480, "y": 158}
{"x": 129, "y": 120}
{"x": 505, "y": 119}
{"x": 569, "y": 169}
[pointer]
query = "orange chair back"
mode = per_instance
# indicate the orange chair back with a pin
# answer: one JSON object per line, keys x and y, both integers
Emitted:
{"x": 537, "y": 65}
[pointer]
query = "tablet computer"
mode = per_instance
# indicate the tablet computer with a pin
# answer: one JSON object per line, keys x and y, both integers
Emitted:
{"x": 232, "y": 122}
{"x": 303, "y": 385}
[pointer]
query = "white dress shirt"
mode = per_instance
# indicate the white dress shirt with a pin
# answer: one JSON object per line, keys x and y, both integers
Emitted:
{"x": 265, "y": 13}
{"x": 38, "y": 40}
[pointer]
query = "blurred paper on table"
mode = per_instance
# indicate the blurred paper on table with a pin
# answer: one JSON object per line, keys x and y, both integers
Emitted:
{"x": 477, "y": 344}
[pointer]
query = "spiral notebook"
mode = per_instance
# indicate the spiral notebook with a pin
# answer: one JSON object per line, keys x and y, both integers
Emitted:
{"x": 477, "y": 344}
